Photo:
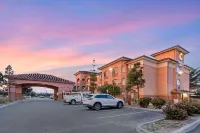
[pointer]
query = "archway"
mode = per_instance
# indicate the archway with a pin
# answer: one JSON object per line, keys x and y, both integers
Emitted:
{"x": 19, "y": 81}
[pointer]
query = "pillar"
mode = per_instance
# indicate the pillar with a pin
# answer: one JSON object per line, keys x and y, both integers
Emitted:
{"x": 18, "y": 92}
{"x": 55, "y": 93}
{"x": 12, "y": 92}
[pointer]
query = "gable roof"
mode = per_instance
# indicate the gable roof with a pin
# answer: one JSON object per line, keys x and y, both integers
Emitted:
{"x": 115, "y": 61}
{"x": 39, "y": 77}
{"x": 84, "y": 72}
{"x": 178, "y": 47}
{"x": 142, "y": 57}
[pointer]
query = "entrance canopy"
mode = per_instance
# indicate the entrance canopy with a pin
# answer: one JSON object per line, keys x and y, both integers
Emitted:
{"x": 19, "y": 81}
{"x": 39, "y": 77}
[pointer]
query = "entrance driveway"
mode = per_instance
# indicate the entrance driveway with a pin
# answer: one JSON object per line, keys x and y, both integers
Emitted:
{"x": 46, "y": 116}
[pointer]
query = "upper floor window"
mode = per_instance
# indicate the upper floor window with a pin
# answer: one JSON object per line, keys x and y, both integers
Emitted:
{"x": 106, "y": 74}
{"x": 178, "y": 84}
{"x": 115, "y": 70}
{"x": 123, "y": 69}
{"x": 132, "y": 66}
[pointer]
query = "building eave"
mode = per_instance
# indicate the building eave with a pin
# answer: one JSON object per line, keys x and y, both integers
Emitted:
{"x": 115, "y": 61}
{"x": 171, "y": 48}
{"x": 143, "y": 57}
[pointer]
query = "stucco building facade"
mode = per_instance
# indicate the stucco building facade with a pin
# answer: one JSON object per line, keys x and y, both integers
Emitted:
{"x": 164, "y": 72}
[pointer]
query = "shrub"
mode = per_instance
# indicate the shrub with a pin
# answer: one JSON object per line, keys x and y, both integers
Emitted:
{"x": 4, "y": 100}
{"x": 173, "y": 113}
{"x": 144, "y": 102}
{"x": 158, "y": 102}
{"x": 187, "y": 106}
{"x": 197, "y": 105}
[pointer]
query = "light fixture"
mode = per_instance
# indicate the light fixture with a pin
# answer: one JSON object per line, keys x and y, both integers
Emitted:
{"x": 180, "y": 72}
{"x": 110, "y": 68}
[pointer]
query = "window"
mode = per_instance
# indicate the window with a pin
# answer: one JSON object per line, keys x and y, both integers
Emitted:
{"x": 178, "y": 84}
{"x": 115, "y": 70}
{"x": 100, "y": 76}
{"x": 123, "y": 69}
{"x": 106, "y": 74}
{"x": 100, "y": 96}
{"x": 123, "y": 82}
{"x": 109, "y": 97}
{"x": 132, "y": 66}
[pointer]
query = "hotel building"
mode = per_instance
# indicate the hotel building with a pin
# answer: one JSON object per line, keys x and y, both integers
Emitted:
{"x": 164, "y": 72}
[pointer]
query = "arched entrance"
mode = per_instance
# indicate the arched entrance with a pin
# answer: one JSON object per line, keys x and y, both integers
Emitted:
{"x": 20, "y": 81}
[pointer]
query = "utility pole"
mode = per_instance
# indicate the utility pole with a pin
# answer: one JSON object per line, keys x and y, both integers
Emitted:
{"x": 93, "y": 65}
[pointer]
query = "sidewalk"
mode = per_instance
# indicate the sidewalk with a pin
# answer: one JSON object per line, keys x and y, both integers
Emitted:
{"x": 8, "y": 104}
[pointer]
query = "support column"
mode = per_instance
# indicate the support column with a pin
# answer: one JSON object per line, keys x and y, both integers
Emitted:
{"x": 55, "y": 93}
{"x": 12, "y": 92}
{"x": 18, "y": 92}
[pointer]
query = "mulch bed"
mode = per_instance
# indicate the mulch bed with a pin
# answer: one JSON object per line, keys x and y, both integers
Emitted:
{"x": 167, "y": 126}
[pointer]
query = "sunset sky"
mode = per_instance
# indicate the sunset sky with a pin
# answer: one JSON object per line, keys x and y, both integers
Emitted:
{"x": 60, "y": 37}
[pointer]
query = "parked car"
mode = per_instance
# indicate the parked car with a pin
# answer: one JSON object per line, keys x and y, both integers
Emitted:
{"x": 52, "y": 96}
{"x": 98, "y": 101}
{"x": 74, "y": 97}
{"x": 41, "y": 96}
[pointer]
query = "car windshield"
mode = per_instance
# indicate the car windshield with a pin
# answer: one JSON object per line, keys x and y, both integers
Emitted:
{"x": 88, "y": 96}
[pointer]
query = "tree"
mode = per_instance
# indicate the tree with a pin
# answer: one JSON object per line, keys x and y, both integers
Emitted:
{"x": 93, "y": 79}
{"x": 135, "y": 77}
{"x": 194, "y": 78}
{"x": 110, "y": 89}
{"x": 2, "y": 80}
{"x": 128, "y": 89}
{"x": 27, "y": 91}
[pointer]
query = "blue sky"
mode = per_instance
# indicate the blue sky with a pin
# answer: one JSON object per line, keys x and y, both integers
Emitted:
{"x": 61, "y": 37}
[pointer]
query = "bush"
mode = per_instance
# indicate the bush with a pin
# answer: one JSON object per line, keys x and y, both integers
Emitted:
{"x": 197, "y": 105}
{"x": 187, "y": 106}
{"x": 4, "y": 100}
{"x": 173, "y": 113}
{"x": 158, "y": 102}
{"x": 144, "y": 102}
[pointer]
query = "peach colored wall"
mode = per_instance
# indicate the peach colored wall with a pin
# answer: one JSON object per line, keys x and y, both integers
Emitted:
{"x": 150, "y": 76}
{"x": 99, "y": 80}
{"x": 169, "y": 54}
{"x": 177, "y": 53}
{"x": 118, "y": 65}
{"x": 161, "y": 80}
{"x": 184, "y": 79}
{"x": 171, "y": 82}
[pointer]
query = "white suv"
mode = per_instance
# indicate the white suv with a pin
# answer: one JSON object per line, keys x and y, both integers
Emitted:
{"x": 97, "y": 101}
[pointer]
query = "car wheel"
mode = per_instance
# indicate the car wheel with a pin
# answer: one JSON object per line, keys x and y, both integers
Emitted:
{"x": 119, "y": 105}
{"x": 97, "y": 106}
{"x": 73, "y": 102}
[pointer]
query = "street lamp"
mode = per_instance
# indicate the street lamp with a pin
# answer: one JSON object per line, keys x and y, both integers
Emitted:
{"x": 111, "y": 69}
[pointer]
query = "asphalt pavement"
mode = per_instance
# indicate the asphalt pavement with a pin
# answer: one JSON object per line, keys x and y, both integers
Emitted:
{"x": 48, "y": 116}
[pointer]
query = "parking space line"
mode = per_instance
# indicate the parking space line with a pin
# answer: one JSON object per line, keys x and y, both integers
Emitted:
{"x": 122, "y": 115}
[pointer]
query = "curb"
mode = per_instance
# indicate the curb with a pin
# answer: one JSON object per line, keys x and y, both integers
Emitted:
{"x": 188, "y": 127}
{"x": 184, "y": 129}
{"x": 141, "y": 130}
{"x": 155, "y": 110}
{"x": 9, "y": 104}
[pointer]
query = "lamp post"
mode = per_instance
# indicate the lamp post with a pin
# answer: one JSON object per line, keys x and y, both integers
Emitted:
{"x": 111, "y": 69}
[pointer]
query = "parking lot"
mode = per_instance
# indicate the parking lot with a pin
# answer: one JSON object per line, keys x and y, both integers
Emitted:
{"x": 45, "y": 116}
